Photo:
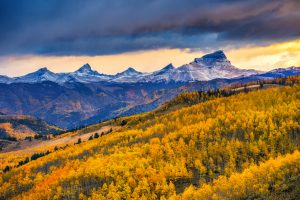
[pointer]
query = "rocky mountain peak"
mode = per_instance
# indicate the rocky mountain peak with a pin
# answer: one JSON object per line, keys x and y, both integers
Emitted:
{"x": 212, "y": 58}
{"x": 128, "y": 72}
{"x": 217, "y": 55}
{"x": 85, "y": 68}
{"x": 168, "y": 67}
{"x": 43, "y": 71}
{"x": 130, "y": 69}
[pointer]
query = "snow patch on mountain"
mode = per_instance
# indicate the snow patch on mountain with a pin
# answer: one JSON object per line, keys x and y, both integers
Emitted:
{"x": 40, "y": 75}
{"x": 5, "y": 79}
{"x": 129, "y": 75}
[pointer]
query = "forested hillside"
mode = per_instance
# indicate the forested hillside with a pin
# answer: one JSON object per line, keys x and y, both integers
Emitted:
{"x": 241, "y": 146}
{"x": 15, "y": 127}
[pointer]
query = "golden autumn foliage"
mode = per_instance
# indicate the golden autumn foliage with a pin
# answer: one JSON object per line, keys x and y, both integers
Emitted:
{"x": 237, "y": 147}
{"x": 267, "y": 180}
{"x": 20, "y": 133}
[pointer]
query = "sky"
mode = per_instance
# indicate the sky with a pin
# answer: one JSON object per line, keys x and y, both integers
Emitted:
{"x": 112, "y": 35}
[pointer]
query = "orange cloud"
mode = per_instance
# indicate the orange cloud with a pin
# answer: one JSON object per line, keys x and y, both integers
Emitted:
{"x": 284, "y": 54}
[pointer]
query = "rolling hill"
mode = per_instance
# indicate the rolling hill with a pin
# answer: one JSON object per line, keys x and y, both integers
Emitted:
{"x": 239, "y": 146}
{"x": 21, "y": 126}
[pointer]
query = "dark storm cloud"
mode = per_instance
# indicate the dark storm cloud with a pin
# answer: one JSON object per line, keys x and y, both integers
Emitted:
{"x": 81, "y": 27}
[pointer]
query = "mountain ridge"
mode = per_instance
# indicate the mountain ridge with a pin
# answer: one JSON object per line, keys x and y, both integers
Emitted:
{"x": 75, "y": 104}
{"x": 83, "y": 97}
{"x": 207, "y": 67}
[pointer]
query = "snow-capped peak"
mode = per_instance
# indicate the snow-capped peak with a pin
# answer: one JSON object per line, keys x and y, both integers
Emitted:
{"x": 5, "y": 79}
{"x": 86, "y": 69}
{"x": 165, "y": 69}
{"x": 42, "y": 74}
{"x": 86, "y": 74}
{"x": 128, "y": 72}
{"x": 211, "y": 66}
{"x": 293, "y": 68}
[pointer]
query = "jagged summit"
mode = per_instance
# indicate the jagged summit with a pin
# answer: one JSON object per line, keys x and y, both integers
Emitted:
{"x": 130, "y": 69}
{"x": 128, "y": 72}
{"x": 40, "y": 72}
{"x": 85, "y": 68}
{"x": 212, "y": 58}
{"x": 43, "y": 69}
{"x": 165, "y": 70}
{"x": 168, "y": 67}
{"x": 217, "y": 55}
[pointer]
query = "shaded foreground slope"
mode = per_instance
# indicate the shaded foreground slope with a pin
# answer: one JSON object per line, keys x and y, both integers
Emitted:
{"x": 163, "y": 156}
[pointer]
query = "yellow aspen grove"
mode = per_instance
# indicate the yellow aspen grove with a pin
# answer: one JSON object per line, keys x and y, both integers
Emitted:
{"x": 241, "y": 146}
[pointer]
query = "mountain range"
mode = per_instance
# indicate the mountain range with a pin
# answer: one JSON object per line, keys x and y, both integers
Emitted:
{"x": 208, "y": 67}
{"x": 83, "y": 97}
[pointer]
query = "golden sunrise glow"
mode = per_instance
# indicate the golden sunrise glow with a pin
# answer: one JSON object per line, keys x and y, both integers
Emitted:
{"x": 285, "y": 54}
{"x": 261, "y": 58}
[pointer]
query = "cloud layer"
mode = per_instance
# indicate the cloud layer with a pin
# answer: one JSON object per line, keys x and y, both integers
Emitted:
{"x": 100, "y": 27}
